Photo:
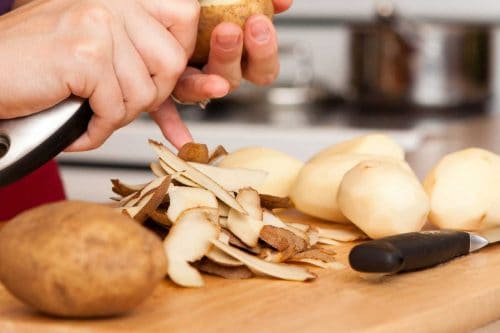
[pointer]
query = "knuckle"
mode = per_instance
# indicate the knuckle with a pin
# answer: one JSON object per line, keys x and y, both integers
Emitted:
{"x": 191, "y": 12}
{"x": 79, "y": 85}
{"x": 85, "y": 14}
{"x": 143, "y": 101}
{"x": 95, "y": 13}
{"x": 150, "y": 97}
{"x": 195, "y": 10}
{"x": 186, "y": 14}
{"x": 171, "y": 68}
{"x": 89, "y": 55}
{"x": 178, "y": 64}
{"x": 116, "y": 118}
{"x": 90, "y": 50}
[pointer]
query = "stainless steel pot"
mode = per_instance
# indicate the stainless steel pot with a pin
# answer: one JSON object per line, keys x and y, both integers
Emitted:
{"x": 428, "y": 64}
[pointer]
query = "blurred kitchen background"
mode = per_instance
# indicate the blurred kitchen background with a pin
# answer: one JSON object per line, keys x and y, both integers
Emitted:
{"x": 415, "y": 69}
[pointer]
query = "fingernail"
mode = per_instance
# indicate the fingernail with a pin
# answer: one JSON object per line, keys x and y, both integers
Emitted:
{"x": 260, "y": 31}
{"x": 228, "y": 41}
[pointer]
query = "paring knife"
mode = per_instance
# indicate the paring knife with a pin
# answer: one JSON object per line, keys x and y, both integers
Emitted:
{"x": 27, "y": 143}
{"x": 417, "y": 250}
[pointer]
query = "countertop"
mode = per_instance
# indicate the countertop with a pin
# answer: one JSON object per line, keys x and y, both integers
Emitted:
{"x": 435, "y": 137}
{"x": 337, "y": 301}
{"x": 443, "y": 135}
{"x": 482, "y": 131}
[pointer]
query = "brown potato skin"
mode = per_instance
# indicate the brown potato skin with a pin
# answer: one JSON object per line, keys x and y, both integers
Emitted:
{"x": 77, "y": 259}
{"x": 211, "y": 16}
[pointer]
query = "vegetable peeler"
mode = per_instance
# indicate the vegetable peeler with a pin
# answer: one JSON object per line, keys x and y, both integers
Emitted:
{"x": 26, "y": 143}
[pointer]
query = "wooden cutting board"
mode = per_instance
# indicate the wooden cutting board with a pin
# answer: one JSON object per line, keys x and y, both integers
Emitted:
{"x": 455, "y": 297}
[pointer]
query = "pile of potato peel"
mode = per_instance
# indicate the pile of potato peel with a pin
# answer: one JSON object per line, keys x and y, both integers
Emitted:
{"x": 217, "y": 223}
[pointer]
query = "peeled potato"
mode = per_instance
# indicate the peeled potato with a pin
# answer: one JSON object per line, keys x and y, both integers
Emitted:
{"x": 383, "y": 199}
{"x": 282, "y": 169}
{"x": 464, "y": 190}
{"x": 315, "y": 189}
{"x": 371, "y": 144}
{"x": 76, "y": 259}
{"x": 214, "y": 12}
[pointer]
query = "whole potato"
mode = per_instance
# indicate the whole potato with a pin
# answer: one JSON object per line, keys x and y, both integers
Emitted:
{"x": 383, "y": 199}
{"x": 464, "y": 192}
{"x": 214, "y": 12}
{"x": 315, "y": 189}
{"x": 370, "y": 144}
{"x": 281, "y": 168}
{"x": 76, "y": 259}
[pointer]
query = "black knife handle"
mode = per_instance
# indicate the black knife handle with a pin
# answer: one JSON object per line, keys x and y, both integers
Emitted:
{"x": 409, "y": 251}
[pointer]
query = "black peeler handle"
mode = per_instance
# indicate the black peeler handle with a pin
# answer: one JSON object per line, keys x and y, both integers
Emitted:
{"x": 409, "y": 252}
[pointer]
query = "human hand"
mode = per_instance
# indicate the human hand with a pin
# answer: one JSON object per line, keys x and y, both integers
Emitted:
{"x": 125, "y": 56}
{"x": 225, "y": 70}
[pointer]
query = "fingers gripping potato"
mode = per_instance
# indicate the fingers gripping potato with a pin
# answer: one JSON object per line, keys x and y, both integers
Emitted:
{"x": 214, "y": 12}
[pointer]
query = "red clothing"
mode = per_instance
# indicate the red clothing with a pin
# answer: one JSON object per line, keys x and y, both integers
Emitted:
{"x": 42, "y": 186}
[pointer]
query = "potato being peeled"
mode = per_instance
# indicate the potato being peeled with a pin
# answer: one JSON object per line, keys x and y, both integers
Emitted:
{"x": 76, "y": 259}
{"x": 383, "y": 199}
{"x": 214, "y": 12}
{"x": 281, "y": 168}
{"x": 464, "y": 190}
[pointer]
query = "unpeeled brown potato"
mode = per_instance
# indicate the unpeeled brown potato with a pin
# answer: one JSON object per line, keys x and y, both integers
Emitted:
{"x": 214, "y": 12}
{"x": 76, "y": 259}
{"x": 371, "y": 144}
{"x": 464, "y": 190}
{"x": 383, "y": 199}
{"x": 282, "y": 169}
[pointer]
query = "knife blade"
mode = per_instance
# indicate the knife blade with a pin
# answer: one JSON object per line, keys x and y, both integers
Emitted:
{"x": 417, "y": 250}
{"x": 26, "y": 143}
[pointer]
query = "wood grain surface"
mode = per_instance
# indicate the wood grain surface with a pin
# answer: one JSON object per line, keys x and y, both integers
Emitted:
{"x": 455, "y": 297}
